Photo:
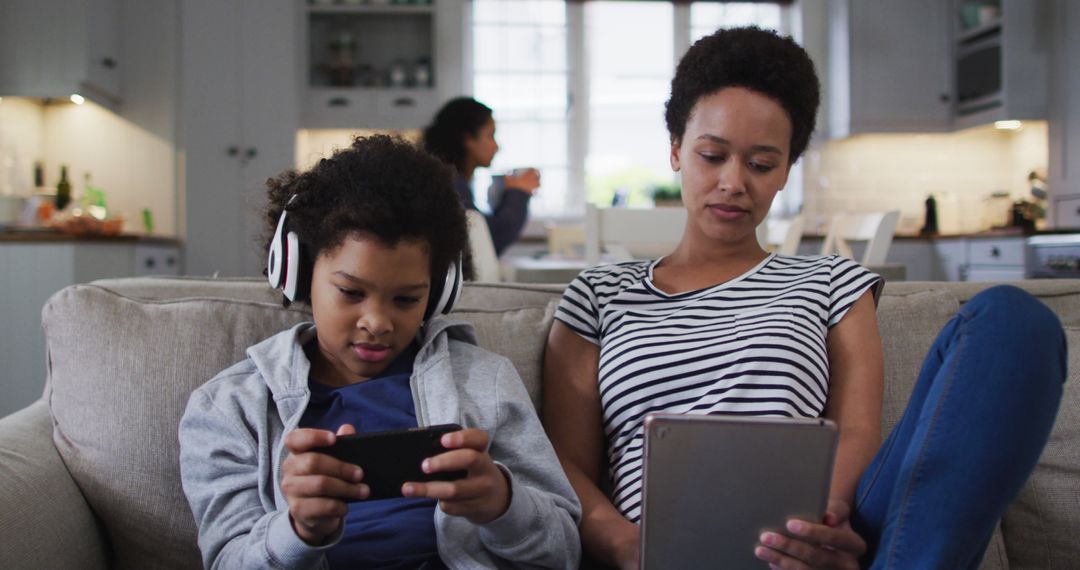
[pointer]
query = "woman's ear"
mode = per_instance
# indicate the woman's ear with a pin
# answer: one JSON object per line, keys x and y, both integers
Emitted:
{"x": 676, "y": 146}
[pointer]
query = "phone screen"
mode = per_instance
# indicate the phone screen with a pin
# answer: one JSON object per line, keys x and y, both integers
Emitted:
{"x": 391, "y": 458}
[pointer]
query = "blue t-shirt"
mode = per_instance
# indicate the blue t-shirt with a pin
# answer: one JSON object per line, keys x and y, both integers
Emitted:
{"x": 387, "y": 533}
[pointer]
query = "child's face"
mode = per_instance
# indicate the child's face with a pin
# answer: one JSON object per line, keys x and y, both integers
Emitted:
{"x": 368, "y": 302}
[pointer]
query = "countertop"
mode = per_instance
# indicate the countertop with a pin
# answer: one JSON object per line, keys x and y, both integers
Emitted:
{"x": 53, "y": 236}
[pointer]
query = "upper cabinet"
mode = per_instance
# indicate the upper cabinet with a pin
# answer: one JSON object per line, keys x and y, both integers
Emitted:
{"x": 54, "y": 48}
{"x": 888, "y": 66}
{"x": 1064, "y": 116}
{"x": 380, "y": 64}
{"x": 934, "y": 65}
{"x": 1001, "y": 55}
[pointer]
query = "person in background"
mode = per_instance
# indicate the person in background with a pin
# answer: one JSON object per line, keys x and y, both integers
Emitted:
{"x": 720, "y": 326}
{"x": 376, "y": 232}
{"x": 463, "y": 135}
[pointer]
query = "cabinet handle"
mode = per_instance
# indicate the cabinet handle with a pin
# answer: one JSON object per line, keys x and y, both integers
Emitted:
{"x": 404, "y": 102}
{"x": 233, "y": 151}
{"x": 250, "y": 153}
{"x": 170, "y": 261}
{"x": 109, "y": 63}
{"x": 995, "y": 252}
{"x": 338, "y": 102}
{"x": 944, "y": 97}
{"x": 150, "y": 263}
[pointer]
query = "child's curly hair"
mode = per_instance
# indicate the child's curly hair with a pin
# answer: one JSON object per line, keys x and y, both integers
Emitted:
{"x": 750, "y": 57}
{"x": 382, "y": 187}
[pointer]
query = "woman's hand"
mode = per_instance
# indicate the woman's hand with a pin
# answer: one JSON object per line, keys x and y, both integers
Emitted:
{"x": 527, "y": 180}
{"x": 627, "y": 546}
{"x": 316, "y": 485}
{"x": 482, "y": 496}
{"x": 830, "y": 545}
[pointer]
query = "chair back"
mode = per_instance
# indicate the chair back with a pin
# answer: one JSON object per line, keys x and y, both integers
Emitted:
{"x": 631, "y": 233}
{"x": 876, "y": 229}
{"x": 485, "y": 260}
{"x": 781, "y": 235}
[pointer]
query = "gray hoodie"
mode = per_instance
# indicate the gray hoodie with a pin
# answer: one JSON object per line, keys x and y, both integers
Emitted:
{"x": 231, "y": 452}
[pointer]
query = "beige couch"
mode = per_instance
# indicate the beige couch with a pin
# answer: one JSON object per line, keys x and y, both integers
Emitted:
{"x": 89, "y": 477}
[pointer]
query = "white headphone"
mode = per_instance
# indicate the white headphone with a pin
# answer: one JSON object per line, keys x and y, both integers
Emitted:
{"x": 286, "y": 270}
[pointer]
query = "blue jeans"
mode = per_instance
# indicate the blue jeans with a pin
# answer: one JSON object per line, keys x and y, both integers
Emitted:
{"x": 977, "y": 421}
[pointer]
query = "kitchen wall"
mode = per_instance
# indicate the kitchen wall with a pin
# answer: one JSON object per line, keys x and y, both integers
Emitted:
{"x": 898, "y": 171}
{"x": 135, "y": 167}
{"x": 313, "y": 145}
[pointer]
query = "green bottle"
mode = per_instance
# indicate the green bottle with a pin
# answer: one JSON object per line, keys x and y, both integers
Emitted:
{"x": 63, "y": 190}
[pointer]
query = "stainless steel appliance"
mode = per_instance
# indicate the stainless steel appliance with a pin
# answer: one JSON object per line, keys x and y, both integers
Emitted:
{"x": 1054, "y": 256}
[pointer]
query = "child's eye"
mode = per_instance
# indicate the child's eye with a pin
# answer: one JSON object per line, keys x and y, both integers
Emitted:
{"x": 351, "y": 293}
{"x": 408, "y": 301}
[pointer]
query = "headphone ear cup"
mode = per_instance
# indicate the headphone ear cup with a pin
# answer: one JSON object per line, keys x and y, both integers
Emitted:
{"x": 442, "y": 299}
{"x": 291, "y": 285}
{"x": 276, "y": 257}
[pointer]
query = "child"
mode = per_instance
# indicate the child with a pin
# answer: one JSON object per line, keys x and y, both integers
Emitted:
{"x": 371, "y": 239}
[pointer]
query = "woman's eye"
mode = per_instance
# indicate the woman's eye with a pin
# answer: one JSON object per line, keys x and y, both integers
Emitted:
{"x": 763, "y": 168}
{"x": 713, "y": 158}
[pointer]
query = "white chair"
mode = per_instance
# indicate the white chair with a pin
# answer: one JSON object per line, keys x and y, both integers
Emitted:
{"x": 485, "y": 260}
{"x": 781, "y": 235}
{"x": 631, "y": 233}
{"x": 876, "y": 229}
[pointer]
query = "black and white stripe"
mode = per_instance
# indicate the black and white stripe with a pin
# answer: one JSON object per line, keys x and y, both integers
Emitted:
{"x": 754, "y": 345}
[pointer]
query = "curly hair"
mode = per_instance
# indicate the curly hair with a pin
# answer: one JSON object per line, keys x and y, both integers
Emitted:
{"x": 458, "y": 118}
{"x": 753, "y": 58}
{"x": 382, "y": 187}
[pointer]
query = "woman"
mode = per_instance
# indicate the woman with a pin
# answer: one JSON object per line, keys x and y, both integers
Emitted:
{"x": 463, "y": 135}
{"x": 721, "y": 326}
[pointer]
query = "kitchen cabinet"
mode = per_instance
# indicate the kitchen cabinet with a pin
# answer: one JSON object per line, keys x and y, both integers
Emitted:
{"x": 888, "y": 67}
{"x": 1001, "y": 58}
{"x": 33, "y": 271}
{"x": 380, "y": 66}
{"x": 239, "y": 115}
{"x": 1064, "y": 116}
{"x": 951, "y": 259}
{"x": 997, "y": 259}
{"x": 54, "y": 48}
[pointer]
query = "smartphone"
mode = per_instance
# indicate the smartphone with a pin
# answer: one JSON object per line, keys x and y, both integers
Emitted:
{"x": 391, "y": 458}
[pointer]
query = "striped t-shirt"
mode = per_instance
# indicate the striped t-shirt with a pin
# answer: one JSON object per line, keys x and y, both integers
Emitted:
{"x": 753, "y": 345}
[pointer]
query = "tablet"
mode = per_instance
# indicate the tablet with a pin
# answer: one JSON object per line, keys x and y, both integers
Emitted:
{"x": 712, "y": 484}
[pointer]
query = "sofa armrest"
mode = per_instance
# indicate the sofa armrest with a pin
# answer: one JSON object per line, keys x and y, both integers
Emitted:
{"x": 44, "y": 520}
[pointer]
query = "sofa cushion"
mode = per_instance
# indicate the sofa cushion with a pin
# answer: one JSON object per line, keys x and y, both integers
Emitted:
{"x": 121, "y": 370}
{"x": 908, "y": 323}
{"x": 1043, "y": 523}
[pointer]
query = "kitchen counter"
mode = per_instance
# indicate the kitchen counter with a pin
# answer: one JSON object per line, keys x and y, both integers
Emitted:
{"x": 52, "y": 236}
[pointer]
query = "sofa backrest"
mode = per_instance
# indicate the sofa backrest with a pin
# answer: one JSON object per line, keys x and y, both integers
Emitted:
{"x": 125, "y": 354}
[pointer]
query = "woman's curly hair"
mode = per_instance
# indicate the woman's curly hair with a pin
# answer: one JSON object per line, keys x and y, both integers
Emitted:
{"x": 381, "y": 187}
{"x": 750, "y": 57}
{"x": 458, "y": 118}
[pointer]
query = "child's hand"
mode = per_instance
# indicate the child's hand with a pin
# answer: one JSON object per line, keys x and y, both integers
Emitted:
{"x": 316, "y": 485}
{"x": 482, "y": 496}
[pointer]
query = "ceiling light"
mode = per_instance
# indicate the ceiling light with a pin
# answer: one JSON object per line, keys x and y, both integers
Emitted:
{"x": 1008, "y": 125}
{"x": 77, "y": 99}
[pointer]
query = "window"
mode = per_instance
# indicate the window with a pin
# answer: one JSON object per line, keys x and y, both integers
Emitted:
{"x": 578, "y": 90}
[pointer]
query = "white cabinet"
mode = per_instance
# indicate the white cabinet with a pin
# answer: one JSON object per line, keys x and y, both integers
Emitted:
{"x": 951, "y": 259}
{"x": 239, "y": 115}
{"x": 32, "y": 272}
{"x": 1001, "y": 59}
{"x": 54, "y": 48}
{"x": 1064, "y": 115}
{"x": 997, "y": 259}
{"x": 888, "y": 67}
{"x": 380, "y": 66}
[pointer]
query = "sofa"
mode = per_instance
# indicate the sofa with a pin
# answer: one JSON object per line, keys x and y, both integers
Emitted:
{"x": 89, "y": 474}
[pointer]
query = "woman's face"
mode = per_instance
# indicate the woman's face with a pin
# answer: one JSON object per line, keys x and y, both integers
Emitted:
{"x": 734, "y": 159}
{"x": 480, "y": 148}
{"x": 368, "y": 303}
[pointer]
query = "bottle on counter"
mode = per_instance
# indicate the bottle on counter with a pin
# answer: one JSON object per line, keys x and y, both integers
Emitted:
{"x": 930, "y": 226}
{"x": 63, "y": 190}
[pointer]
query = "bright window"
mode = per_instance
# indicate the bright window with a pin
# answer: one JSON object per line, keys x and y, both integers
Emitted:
{"x": 598, "y": 130}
